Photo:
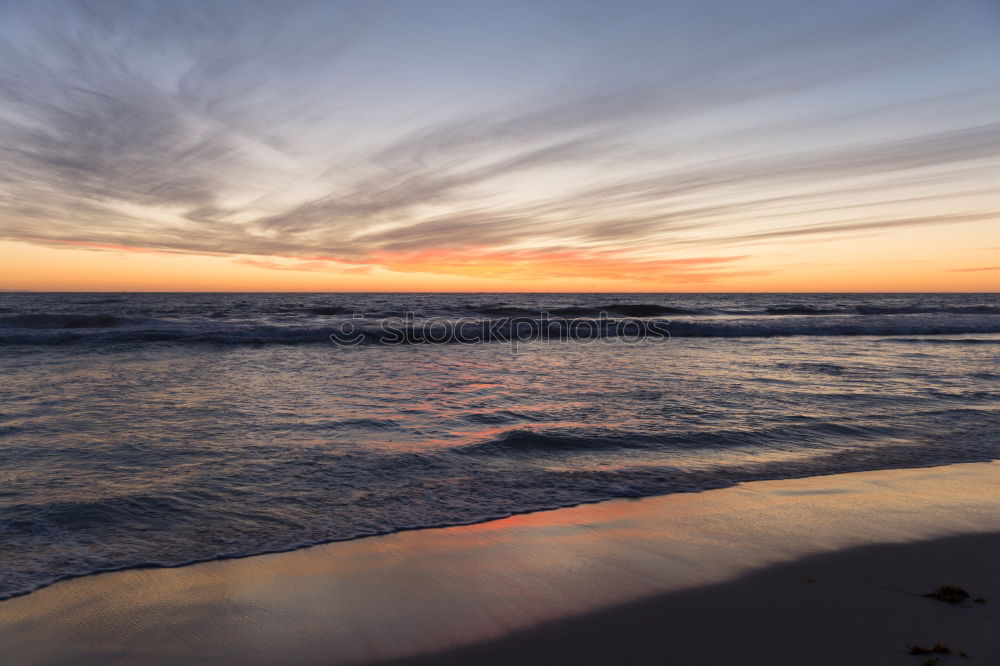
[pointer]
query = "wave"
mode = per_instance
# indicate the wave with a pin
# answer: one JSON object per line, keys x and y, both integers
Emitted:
{"x": 524, "y": 442}
{"x": 801, "y": 310}
{"x": 614, "y": 309}
{"x": 60, "y": 321}
{"x": 489, "y": 490}
{"x": 840, "y": 326}
{"x": 527, "y": 442}
{"x": 646, "y": 310}
{"x": 949, "y": 341}
{"x": 505, "y": 311}
{"x": 119, "y": 313}
{"x": 814, "y": 367}
{"x": 105, "y": 329}
{"x": 962, "y": 310}
{"x": 876, "y": 310}
{"x": 652, "y": 310}
{"x": 253, "y": 335}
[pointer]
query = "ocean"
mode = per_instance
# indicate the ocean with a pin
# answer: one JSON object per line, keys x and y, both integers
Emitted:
{"x": 150, "y": 429}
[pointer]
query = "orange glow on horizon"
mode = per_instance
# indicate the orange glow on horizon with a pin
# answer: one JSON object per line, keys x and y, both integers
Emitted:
{"x": 84, "y": 266}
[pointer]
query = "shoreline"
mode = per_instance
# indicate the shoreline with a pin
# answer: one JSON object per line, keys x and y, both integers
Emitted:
{"x": 444, "y": 526}
{"x": 431, "y": 593}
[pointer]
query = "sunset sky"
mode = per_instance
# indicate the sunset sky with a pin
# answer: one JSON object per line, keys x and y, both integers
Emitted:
{"x": 515, "y": 146}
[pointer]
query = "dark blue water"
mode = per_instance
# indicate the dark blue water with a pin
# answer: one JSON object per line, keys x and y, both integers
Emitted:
{"x": 35, "y": 319}
{"x": 169, "y": 428}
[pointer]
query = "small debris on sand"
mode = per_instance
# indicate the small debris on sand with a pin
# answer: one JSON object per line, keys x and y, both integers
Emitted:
{"x": 938, "y": 648}
{"x": 951, "y": 594}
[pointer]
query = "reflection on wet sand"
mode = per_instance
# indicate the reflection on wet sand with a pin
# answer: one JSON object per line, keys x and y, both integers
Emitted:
{"x": 427, "y": 590}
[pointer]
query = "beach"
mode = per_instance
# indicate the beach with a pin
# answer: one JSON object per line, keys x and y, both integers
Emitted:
{"x": 819, "y": 570}
{"x": 464, "y": 333}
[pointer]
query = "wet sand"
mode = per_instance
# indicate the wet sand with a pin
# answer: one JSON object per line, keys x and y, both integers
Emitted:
{"x": 860, "y": 606}
{"x": 705, "y": 578}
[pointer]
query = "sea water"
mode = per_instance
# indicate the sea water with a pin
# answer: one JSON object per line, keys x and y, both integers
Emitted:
{"x": 162, "y": 429}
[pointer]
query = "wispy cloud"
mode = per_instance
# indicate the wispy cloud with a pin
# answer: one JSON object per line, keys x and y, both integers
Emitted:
{"x": 975, "y": 270}
{"x": 866, "y": 225}
{"x": 292, "y": 140}
{"x": 558, "y": 263}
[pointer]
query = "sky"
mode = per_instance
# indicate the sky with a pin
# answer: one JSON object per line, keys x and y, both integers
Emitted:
{"x": 538, "y": 145}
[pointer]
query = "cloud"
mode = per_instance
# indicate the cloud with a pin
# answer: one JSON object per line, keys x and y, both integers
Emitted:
{"x": 560, "y": 263}
{"x": 104, "y": 247}
{"x": 867, "y": 225}
{"x": 317, "y": 266}
{"x": 292, "y": 140}
{"x": 532, "y": 264}
{"x": 975, "y": 270}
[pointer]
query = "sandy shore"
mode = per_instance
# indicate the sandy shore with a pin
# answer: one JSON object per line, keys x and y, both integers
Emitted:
{"x": 717, "y": 577}
{"x": 860, "y": 606}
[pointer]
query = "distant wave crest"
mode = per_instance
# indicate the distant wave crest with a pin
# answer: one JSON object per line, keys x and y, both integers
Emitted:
{"x": 60, "y": 321}
{"x": 56, "y": 329}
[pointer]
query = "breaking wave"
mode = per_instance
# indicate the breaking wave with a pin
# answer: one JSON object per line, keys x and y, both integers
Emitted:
{"x": 60, "y": 329}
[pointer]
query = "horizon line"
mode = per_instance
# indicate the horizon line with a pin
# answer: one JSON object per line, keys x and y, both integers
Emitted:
{"x": 195, "y": 291}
